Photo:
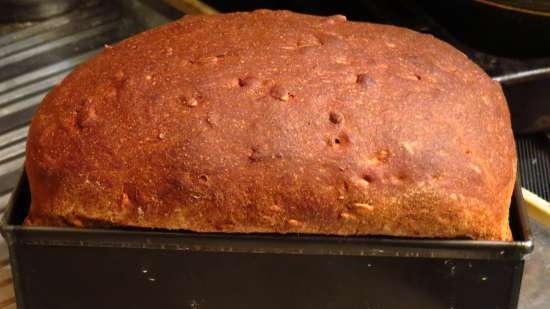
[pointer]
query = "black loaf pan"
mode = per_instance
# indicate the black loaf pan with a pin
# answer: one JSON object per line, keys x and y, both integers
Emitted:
{"x": 109, "y": 268}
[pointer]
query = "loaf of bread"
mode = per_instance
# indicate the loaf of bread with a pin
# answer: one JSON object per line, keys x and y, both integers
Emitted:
{"x": 276, "y": 122}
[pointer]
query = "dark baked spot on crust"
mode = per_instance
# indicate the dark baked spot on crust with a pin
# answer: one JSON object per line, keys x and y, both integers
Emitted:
{"x": 332, "y": 41}
{"x": 365, "y": 80}
{"x": 336, "y": 117}
{"x": 368, "y": 177}
{"x": 382, "y": 155}
{"x": 175, "y": 183}
{"x": 249, "y": 82}
{"x": 254, "y": 155}
{"x": 134, "y": 194}
{"x": 342, "y": 139}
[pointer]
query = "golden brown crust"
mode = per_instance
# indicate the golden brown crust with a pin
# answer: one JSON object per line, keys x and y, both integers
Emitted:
{"x": 276, "y": 122}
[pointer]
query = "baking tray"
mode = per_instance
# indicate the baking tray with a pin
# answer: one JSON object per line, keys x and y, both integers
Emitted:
{"x": 135, "y": 268}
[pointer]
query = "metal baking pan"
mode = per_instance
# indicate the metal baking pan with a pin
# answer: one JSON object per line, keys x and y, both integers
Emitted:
{"x": 135, "y": 268}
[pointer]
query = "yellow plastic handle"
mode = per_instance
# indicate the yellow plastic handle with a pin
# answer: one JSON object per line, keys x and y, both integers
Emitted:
{"x": 538, "y": 208}
{"x": 192, "y": 6}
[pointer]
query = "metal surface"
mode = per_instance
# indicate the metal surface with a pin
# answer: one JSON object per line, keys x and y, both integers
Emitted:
{"x": 534, "y": 162}
{"x": 24, "y": 10}
{"x": 534, "y": 292}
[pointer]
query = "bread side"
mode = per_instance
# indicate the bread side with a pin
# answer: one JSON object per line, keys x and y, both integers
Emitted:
{"x": 273, "y": 121}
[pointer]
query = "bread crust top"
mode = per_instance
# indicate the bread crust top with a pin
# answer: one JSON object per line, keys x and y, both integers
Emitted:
{"x": 273, "y": 121}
